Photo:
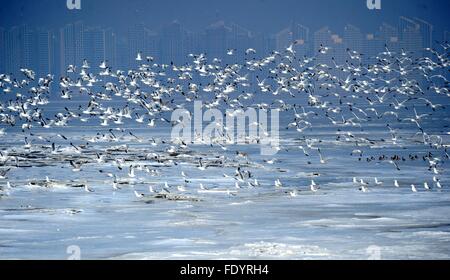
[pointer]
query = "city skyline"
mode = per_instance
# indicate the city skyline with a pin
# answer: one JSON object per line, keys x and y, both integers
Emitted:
{"x": 51, "y": 51}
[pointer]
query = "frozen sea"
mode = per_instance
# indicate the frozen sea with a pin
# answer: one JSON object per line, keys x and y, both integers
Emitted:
{"x": 263, "y": 222}
{"x": 337, "y": 222}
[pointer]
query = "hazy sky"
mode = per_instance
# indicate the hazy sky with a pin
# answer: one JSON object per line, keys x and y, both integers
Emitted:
{"x": 268, "y": 16}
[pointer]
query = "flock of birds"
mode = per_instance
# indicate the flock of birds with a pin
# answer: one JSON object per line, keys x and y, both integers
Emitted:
{"x": 395, "y": 90}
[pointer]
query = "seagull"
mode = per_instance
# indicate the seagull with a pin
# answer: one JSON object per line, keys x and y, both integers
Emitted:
{"x": 3, "y": 173}
{"x": 115, "y": 185}
{"x": 322, "y": 160}
{"x": 378, "y": 183}
{"x": 138, "y": 195}
{"x": 181, "y": 188}
{"x": 131, "y": 173}
{"x": 76, "y": 166}
{"x": 391, "y": 91}
{"x": 323, "y": 50}
{"x": 87, "y": 189}
{"x": 139, "y": 57}
{"x": 250, "y": 51}
{"x": 151, "y": 189}
{"x": 278, "y": 183}
{"x": 313, "y": 186}
{"x": 364, "y": 189}
{"x": 200, "y": 165}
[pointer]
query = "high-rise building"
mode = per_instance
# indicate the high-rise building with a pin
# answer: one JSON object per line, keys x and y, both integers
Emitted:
{"x": 426, "y": 32}
{"x": 42, "y": 54}
{"x": 71, "y": 40}
{"x": 373, "y": 44}
{"x": 410, "y": 36}
{"x": 2, "y": 50}
{"x": 141, "y": 40}
{"x": 123, "y": 53}
{"x": 338, "y": 53}
{"x": 152, "y": 44}
{"x": 295, "y": 33}
{"x": 136, "y": 43}
{"x": 283, "y": 39}
{"x": 266, "y": 43}
{"x": 94, "y": 45}
{"x": 323, "y": 38}
{"x": 216, "y": 40}
{"x": 18, "y": 49}
{"x": 300, "y": 34}
{"x": 193, "y": 42}
{"x": 55, "y": 58}
{"x": 353, "y": 38}
{"x": 111, "y": 48}
{"x": 389, "y": 36}
{"x": 28, "y": 41}
{"x": 241, "y": 39}
{"x": 171, "y": 44}
{"x": 411, "y": 41}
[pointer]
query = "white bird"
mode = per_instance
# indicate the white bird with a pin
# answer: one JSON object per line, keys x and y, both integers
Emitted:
{"x": 378, "y": 183}
{"x": 139, "y": 57}
{"x": 87, "y": 189}
{"x": 322, "y": 159}
{"x": 278, "y": 183}
{"x": 200, "y": 165}
{"x": 313, "y": 186}
{"x": 413, "y": 188}
{"x": 3, "y": 173}
{"x": 131, "y": 173}
{"x": 181, "y": 188}
{"x": 396, "y": 184}
{"x": 293, "y": 193}
{"x": 362, "y": 183}
{"x": 138, "y": 195}
{"x": 364, "y": 189}
{"x": 250, "y": 51}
